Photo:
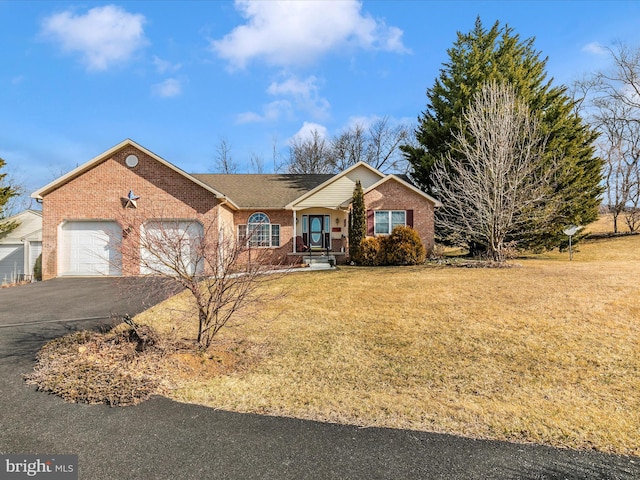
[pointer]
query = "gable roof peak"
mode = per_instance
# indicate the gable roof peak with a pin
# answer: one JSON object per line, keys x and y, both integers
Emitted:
{"x": 76, "y": 172}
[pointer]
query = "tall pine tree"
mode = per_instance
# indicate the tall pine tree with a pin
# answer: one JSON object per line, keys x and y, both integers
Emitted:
{"x": 499, "y": 54}
{"x": 357, "y": 223}
{"x": 7, "y": 192}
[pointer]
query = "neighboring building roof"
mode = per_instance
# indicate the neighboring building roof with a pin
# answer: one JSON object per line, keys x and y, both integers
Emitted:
{"x": 263, "y": 190}
{"x": 38, "y": 194}
{"x": 29, "y": 227}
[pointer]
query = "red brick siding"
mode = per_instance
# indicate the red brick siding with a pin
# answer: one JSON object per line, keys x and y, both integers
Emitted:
{"x": 284, "y": 218}
{"x": 99, "y": 194}
{"x": 392, "y": 195}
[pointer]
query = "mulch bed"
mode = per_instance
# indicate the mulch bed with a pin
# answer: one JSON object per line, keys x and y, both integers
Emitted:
{"x": 130, "y": 364}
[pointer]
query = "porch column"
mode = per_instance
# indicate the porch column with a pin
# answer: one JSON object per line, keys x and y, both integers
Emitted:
{"x": 295, "y": 232}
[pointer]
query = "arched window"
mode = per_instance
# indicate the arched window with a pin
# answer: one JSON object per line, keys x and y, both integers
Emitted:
{"x": 259, "y": 231}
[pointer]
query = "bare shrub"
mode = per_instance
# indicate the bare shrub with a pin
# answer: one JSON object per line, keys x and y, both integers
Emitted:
{"x": 223, "y": 275}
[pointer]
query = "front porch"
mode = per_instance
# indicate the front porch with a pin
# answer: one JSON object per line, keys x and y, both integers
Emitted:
{"x": 320, "y": 231}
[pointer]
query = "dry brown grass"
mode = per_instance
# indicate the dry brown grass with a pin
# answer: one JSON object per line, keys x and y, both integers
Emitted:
{"x": 605, "y": 225}
{"x": 545, "y": 353}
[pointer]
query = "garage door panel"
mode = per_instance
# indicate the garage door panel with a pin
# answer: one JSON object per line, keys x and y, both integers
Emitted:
{"x": 91, "y": 248}
{"x": 167, "y": 242}
{"x": 11, "y": 262}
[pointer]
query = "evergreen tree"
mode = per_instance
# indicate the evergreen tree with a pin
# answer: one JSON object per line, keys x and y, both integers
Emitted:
{"x": 357, "y": 223}
{"x": 498, "y": 54}
{"x": 7, "y": 192}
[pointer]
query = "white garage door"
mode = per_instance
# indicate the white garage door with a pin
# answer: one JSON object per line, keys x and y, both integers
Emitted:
{"x": 171, "y": 247}
{"x": 11, "y": 262}
{"x": 90, "y": 248}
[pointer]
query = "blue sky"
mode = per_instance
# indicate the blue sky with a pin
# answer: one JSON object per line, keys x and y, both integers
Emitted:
{"x": 78, "y": 77}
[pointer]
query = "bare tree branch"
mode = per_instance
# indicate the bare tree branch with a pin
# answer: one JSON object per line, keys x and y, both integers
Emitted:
{"x": 223, "y": 276}
{"x": 611, "y": 101}
{"x": 500, "y": 182}
{"x": 224, "y": 161}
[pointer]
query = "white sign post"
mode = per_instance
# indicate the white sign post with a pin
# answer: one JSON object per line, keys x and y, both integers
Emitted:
{"x": 570, "y": 231}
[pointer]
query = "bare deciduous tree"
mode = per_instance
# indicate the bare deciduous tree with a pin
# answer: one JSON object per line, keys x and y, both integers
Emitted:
{"x": 383, "y": 146}
{"x": 619, "y": 146}
{"x": 309, "y": 155}
{"x": 611, "y": 101}
{"x": 378, "y": 145}
{"x": 224, "y": 161}
{"x": 222, "y": 275}
{"x": 348, "y": 148}
{"x": 257, "y": 162}
{"x": 499, "y": 183}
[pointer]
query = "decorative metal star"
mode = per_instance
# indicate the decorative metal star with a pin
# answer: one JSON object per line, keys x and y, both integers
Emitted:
{"x": 132, "y": 199}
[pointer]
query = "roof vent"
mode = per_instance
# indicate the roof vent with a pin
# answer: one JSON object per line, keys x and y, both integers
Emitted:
{"x": 131, "y": 161}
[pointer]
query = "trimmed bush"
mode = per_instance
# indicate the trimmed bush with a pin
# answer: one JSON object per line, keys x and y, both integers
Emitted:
{"x": 370, "y": 252}
{"x": 402, "y": 247}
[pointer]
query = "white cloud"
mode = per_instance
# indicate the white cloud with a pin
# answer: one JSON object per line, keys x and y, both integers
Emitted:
{"x": 103, "y": 36}
{"x": 309, "y": 128}
{"x": 296, "y": 95}
{"x": 304, "y": 95}
{"x": 164, "y": 66}
{"x": 595, "y": 48}
{"x": 284, "y": 33}
{"x": 171, "y": 87}
{"x": 271, "y": 112}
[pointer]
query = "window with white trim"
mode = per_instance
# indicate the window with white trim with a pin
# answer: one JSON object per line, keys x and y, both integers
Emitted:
{"x": 386, "y": 220}
{"x": 259, "y": 231}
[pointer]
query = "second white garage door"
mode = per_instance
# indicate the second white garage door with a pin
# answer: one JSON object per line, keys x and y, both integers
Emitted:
{"x": 171, "y": 247}
{"x": 90, "y": 248}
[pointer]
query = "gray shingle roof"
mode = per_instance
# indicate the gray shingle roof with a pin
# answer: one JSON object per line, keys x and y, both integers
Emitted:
{"x": 262, "y": 190}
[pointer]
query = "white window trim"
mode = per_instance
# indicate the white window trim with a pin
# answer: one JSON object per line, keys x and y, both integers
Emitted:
{"x": 269, "y": 234}
{"x": 390, "y": 223}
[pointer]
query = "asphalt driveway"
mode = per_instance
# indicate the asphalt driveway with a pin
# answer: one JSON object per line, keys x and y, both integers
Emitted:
{"x": 163, "y": 439}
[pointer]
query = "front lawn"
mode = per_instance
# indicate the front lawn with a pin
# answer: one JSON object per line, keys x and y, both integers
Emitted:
{"x": 545, "y": 352}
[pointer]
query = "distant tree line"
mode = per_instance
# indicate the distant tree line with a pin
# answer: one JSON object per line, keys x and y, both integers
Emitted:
{"x": 377, "y": 144}
{"x": 610, "y": 100}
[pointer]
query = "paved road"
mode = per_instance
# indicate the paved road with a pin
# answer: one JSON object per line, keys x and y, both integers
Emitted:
{"x": 161, "y": 439}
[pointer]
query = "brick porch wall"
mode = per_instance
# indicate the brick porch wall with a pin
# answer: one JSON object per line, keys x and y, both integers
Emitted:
{"x": 100, "y": 193}
{"x": 391, "y": 195}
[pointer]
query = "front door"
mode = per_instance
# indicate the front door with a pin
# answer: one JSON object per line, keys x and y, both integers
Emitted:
{"x": 316, "y": 231}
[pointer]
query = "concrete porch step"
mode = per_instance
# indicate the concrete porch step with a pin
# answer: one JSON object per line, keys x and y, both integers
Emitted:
{"x": 320, "y": 266}
{"x": 321, "y": 262}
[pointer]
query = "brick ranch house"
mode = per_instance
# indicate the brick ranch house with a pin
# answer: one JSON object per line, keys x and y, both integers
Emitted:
{"x": 89, "y": 213}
